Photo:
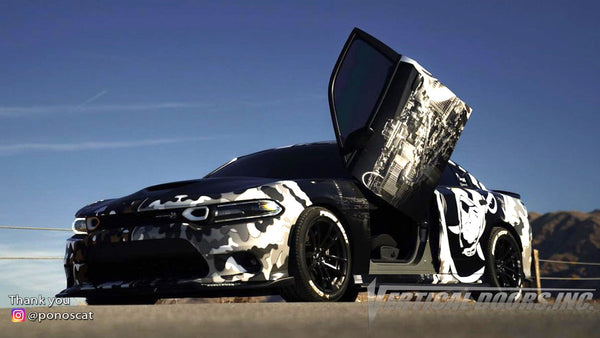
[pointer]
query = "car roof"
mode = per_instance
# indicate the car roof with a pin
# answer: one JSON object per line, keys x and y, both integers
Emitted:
{"x": 292, "y": 147}
{"x": 327, "y": 143}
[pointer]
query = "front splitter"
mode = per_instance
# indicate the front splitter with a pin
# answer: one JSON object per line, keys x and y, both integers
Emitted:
{"x": 178, "y": 289}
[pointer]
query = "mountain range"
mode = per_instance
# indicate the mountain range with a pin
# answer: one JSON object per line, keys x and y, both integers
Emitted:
{"x": 572, "y": 236}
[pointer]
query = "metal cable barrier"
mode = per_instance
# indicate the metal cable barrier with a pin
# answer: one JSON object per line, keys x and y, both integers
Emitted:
{"x": 553, "y": 261}
{"x": 11, "y": 227}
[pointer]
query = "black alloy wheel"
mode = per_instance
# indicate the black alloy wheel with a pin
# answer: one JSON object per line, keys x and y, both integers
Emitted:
{"x": 507, "y": 262}
{"x": 320, "y": 259}
{"x": 326, "y": 255}
{"x": 504, "y": 265}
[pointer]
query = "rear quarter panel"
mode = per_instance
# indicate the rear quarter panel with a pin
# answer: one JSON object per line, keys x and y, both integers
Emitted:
{"x": 467, "y": 264}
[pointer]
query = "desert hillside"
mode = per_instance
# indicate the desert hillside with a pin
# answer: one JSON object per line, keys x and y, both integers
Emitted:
{"x": 568, "y": 236}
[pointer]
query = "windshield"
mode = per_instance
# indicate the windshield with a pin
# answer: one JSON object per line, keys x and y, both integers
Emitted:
{"x": 317, "y": 160}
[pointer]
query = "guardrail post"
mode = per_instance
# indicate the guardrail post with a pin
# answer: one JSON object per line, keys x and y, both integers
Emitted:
{"x": 536, "y": 265}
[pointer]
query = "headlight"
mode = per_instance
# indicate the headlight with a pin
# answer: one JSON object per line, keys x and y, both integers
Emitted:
{"x": 246, "y": 210}
{"x": 79, "y": 226}
{"x": 82, "y": 226}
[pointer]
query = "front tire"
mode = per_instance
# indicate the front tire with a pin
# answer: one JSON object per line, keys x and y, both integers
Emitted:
{"x": 320, "y": 259}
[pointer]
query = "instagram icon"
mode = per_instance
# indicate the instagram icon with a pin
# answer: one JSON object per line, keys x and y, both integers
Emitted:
{"x": 18, "y": 315}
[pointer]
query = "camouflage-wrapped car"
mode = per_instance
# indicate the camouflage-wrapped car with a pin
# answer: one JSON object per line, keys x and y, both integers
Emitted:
{"x": 316, "y": 222}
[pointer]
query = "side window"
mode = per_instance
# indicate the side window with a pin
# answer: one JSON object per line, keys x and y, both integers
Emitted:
{"x": 358, "y": 86}
{"x": 449, "y": 178}
{"x": 464, "y": 178}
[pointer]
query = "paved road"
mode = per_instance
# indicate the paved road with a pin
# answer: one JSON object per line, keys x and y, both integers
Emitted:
{"x": 303, "y": 319}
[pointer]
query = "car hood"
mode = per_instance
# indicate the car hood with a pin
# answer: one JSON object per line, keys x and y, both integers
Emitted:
{"x": 180, "y": 195}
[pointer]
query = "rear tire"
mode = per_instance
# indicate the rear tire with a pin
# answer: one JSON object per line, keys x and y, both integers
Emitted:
{"x": 320, "y": 259}
{"x": 503, "y": 262}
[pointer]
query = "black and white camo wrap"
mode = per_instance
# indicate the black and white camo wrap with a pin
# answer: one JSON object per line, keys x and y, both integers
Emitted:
{"x": 461, "y": 254}
{"x": 265, "y": 238}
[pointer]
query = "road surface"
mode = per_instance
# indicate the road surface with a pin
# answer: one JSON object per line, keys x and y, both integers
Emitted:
{"x": 291, "y": 320}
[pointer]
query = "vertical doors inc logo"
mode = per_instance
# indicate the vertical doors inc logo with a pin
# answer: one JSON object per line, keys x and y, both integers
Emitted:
{"x": 17, "y": 315}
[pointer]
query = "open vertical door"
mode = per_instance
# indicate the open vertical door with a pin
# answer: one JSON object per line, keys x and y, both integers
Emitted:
{"x": 396, "y": 125}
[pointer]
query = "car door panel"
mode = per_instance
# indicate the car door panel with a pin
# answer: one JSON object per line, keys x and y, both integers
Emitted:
{"x": 396, "y": 137}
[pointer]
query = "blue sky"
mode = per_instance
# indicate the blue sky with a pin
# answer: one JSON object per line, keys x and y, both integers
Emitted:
{"x": 100, "y": 99}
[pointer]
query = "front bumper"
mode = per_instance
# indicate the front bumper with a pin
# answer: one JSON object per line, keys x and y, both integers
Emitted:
{"x": 179, "y": 260}
{"x": 180, "y": 289}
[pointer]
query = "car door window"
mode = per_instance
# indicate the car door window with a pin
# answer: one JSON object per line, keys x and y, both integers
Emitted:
{"x": 358, "y": 86}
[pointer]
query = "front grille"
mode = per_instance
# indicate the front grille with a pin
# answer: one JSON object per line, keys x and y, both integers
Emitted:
{"x": 154, "y": 217}
{"x": 140, "y": 219}
{"x": 144, "y": 260}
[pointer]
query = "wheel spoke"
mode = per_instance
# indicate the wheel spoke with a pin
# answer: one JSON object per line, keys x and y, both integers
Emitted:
{"x": 331, "y": 242}
{"x": 337, "y": 258}
{"x": 327, "y": 237}
{"x": 509, "y": 269}
{"x": 326, "y": 275}
{"x": 314, "y": 237}
{"x": 332, "y": 268}
{"x": 319, "y": 274}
